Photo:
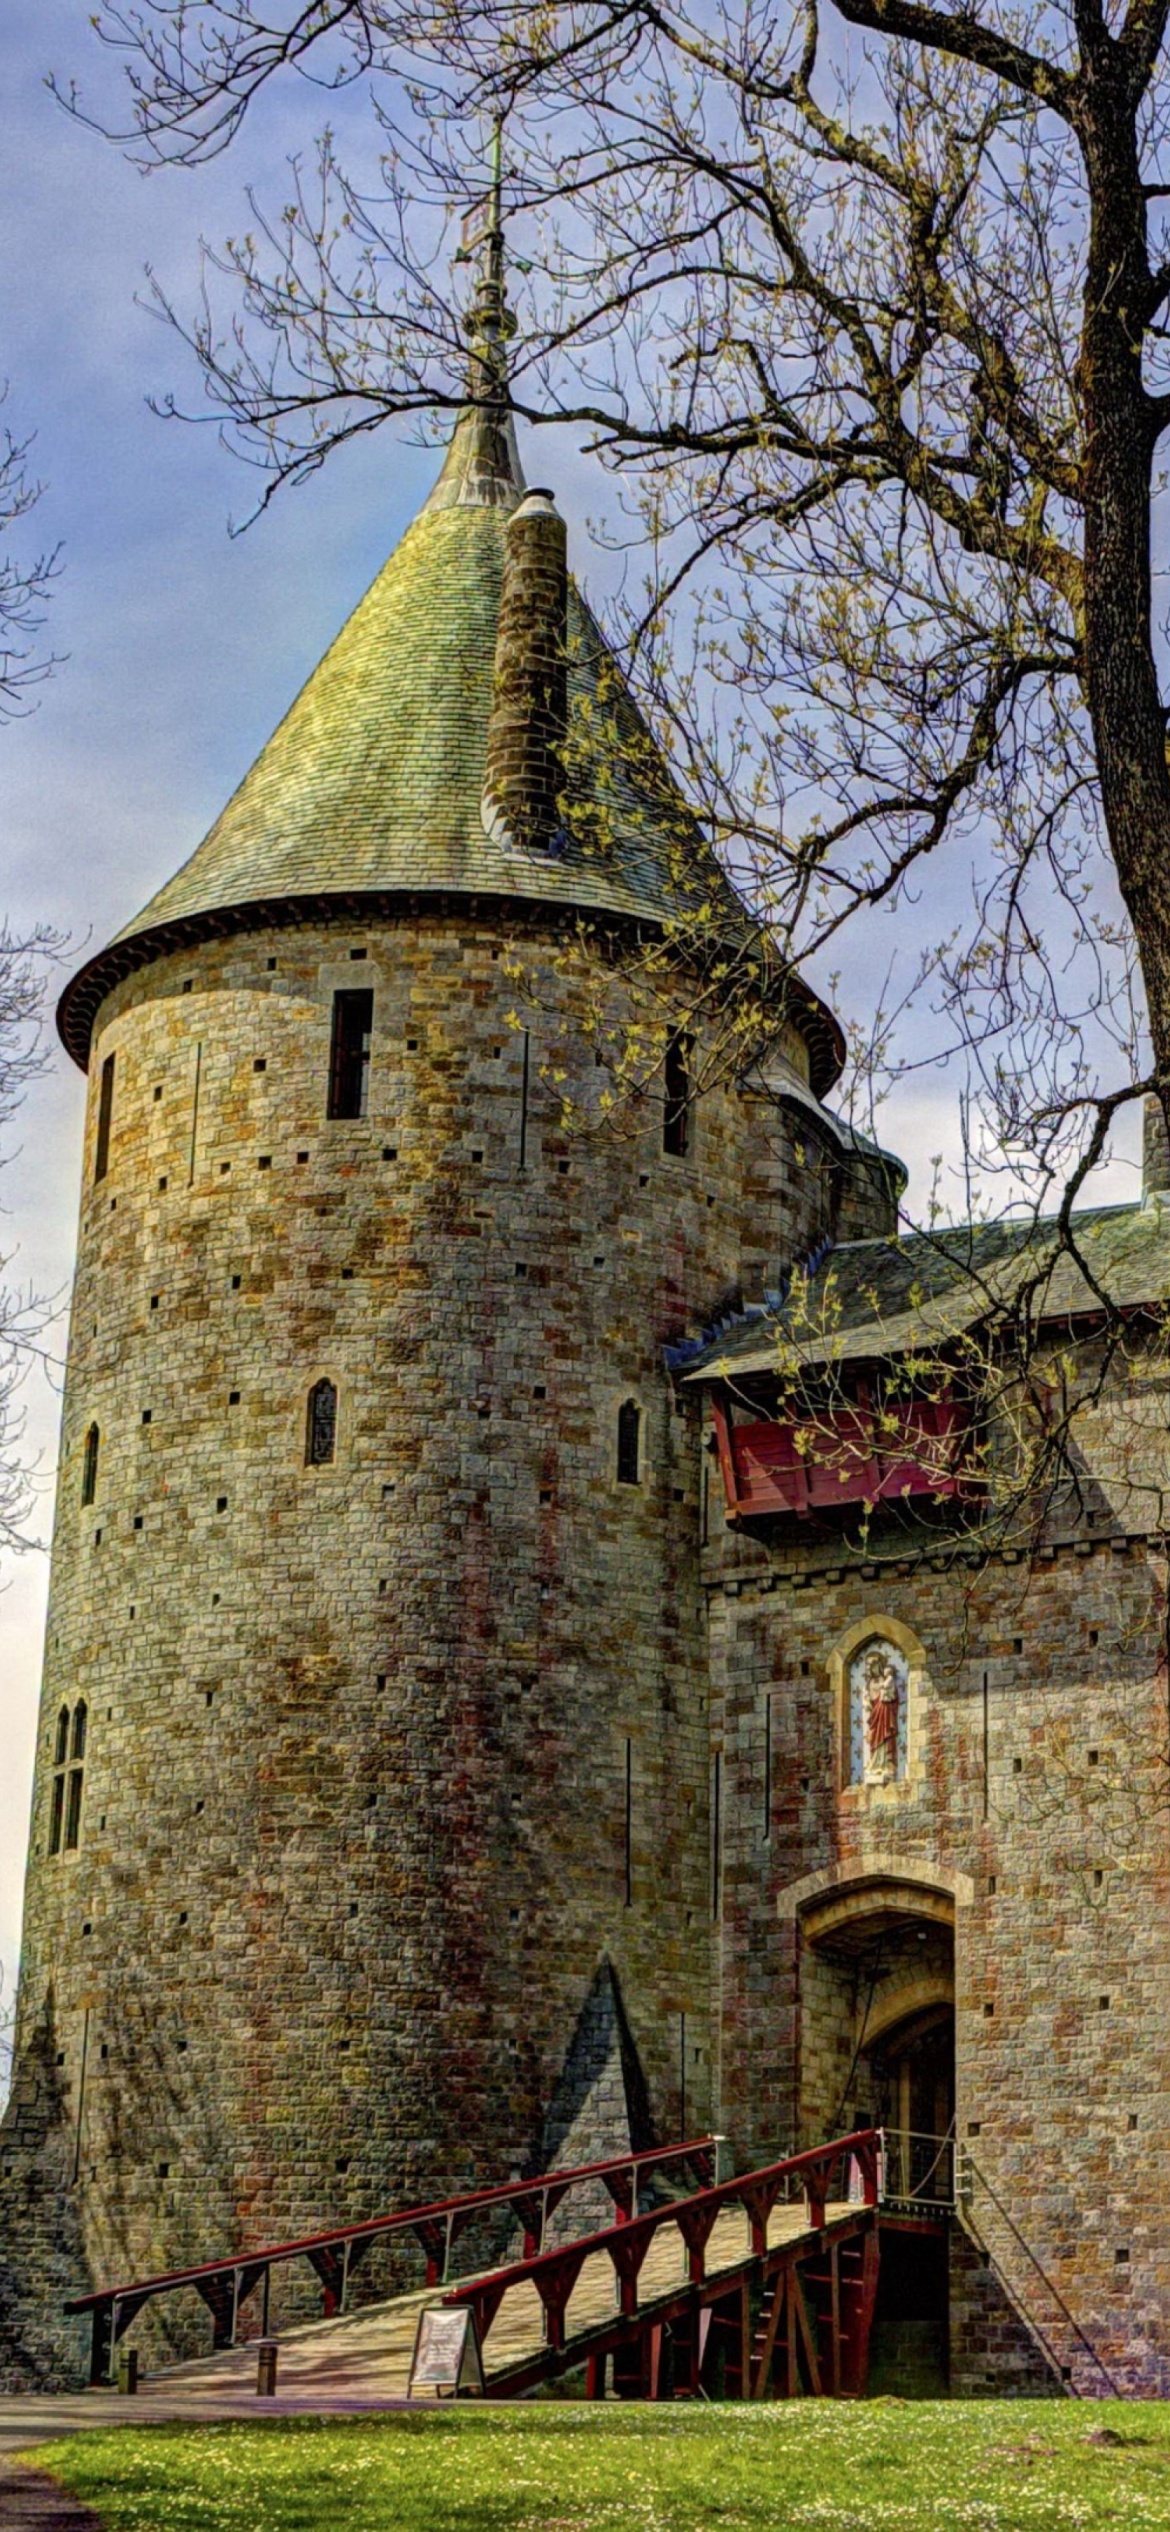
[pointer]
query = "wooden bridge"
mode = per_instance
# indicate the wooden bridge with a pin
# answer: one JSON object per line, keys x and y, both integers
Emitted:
{"x": 763, "y": 2285}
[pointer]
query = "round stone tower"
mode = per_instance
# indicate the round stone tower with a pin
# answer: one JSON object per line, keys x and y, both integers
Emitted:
{"x": 370, "y": 1848}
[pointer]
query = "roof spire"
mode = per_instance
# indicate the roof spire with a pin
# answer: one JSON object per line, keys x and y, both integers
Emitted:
{"x": 482, "y": 466}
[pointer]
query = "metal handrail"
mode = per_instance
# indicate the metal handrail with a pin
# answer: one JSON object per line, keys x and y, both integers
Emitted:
{"x": 224, "y": 2284}
{"x": 972, "y": 2168}
{"x": 940, "y": 2154}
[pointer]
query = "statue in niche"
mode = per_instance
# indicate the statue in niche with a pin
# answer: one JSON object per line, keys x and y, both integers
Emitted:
{"x": 877, "y": 1714}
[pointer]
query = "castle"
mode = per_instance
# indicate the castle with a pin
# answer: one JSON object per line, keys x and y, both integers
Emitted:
{"x": 511, "y": 1688}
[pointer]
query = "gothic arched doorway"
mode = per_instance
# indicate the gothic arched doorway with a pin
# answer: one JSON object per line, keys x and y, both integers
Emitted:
{"x": 877, "y": 2019}
{"x": 912, "y": 2072}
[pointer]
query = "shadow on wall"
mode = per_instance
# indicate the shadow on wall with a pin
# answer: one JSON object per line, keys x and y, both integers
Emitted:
{"x": 42, "y": 2260}
{"x": 600, "y": 2106}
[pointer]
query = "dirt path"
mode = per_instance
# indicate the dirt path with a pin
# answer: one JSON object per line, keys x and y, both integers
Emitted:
{"x": 32, "y": 2502}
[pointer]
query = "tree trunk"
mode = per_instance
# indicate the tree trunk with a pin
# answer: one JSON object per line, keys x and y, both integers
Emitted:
{"x": 1121, "y": 685}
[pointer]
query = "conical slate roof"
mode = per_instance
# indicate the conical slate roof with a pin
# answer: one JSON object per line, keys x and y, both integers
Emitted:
{"x": 371, "y": 786}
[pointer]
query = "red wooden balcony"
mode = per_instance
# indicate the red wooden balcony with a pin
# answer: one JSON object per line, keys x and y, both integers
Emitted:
{"x": 840, "y": 1457}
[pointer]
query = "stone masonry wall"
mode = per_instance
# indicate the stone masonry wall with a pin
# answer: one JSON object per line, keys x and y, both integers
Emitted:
{"x": 1057, "y": 1854}
{"x": 353, "y": 1844}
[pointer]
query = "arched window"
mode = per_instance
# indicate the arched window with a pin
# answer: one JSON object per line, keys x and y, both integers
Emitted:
{"x": 76, "y": 1773}
{"x": 89, "y": 1465}
{"x": 321, "y": 1424}
{"x": 68, "y": 1779}
{"x": 879, "y": 1675}
{"x": 629, "y": 1430}
{"x": 57, "y": 1801}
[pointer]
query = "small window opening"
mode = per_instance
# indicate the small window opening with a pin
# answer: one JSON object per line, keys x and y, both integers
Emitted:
{"x": 349, "y": 1059}
{"x": 676, "y": 1117}
{"x": 321, "y": 1424}
{"x": 89, "y": 1467}
{"x": 629, "y": 1427}
{"x": 101, "y": 1160}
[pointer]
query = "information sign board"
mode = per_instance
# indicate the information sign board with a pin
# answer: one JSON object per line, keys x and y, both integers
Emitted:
{"x": 446, "y": 2353}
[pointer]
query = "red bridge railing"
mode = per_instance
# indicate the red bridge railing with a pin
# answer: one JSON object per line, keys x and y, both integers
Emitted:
{"x": 226, "y": 2284}
{"x": 555, "y": 2273}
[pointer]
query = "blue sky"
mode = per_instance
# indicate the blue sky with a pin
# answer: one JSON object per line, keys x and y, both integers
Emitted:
{"x": 183, "y": 648}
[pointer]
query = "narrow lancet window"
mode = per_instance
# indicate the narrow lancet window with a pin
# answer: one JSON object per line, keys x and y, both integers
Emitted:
{"x": 68, "y": 1779}
{"x": 101, "y": 1158}
{"x": 73, "y": 1810}
{"x": 629, "y": 1428}
{"x": 676, "y": 1114}
{"x": 321, "y": 1425}
{"x": 89, "y": 1465}
{"x": 349, "y": 1058}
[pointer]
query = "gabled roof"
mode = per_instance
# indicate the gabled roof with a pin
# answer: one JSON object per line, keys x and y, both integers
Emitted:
{"x": 874, "y": 1299}
{"x": 371, "y": 786}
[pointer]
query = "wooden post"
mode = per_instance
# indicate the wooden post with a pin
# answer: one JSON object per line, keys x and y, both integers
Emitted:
{"x": 726, "y": 1447}
{"x": 800, "y": 2313}
{"x": 834, "y": 2322}
{"x": 654, "y": 2369}
{"x": 870, "y": 2256}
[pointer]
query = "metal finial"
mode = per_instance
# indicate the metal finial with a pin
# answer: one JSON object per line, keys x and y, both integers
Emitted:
{"x": 482, "y": 466}
{"x": 490, "y": 321}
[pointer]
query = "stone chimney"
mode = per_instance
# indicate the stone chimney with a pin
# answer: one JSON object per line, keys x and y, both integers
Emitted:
{"x": 523, "y": 773}
{"x": 1155, "y": 1148}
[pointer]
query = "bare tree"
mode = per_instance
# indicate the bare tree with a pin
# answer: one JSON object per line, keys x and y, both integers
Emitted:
{"x": 25, "y": 578}
{"x": 866, "y": 305}
{"x": 23, "y": 1313}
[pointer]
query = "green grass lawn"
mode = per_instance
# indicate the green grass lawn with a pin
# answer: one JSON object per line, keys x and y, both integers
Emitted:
{"x": 995, "y": 2466}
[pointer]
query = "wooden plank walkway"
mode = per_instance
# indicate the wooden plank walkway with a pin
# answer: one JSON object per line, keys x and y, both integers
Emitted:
{"x": 366, "y": 2355}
